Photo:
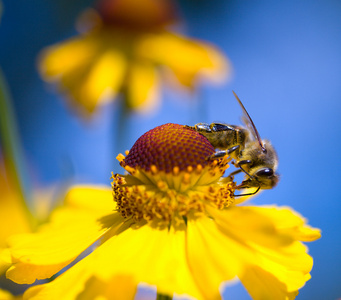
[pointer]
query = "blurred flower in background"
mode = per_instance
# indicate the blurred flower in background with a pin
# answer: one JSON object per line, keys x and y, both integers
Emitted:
{"x": 172, "y": 225}
{"x": 122, "y": 47}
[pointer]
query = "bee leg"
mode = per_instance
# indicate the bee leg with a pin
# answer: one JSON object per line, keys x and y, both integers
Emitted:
{"x": 244, "y": 162}
{"x": 217, "y": 155}
{"x": 245, "y": 183}
{"x": 248, "y": 194}
{"x": 222, "y": 153}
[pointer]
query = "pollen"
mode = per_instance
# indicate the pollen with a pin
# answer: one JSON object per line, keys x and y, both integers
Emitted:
{"x": 170, "y": 177}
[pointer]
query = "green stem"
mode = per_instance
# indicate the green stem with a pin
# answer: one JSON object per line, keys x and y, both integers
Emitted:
{"x": 10, "y": 144}
{"x": 163, "y": 297}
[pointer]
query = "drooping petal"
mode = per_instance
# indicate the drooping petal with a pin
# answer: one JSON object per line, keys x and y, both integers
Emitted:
{"x": 154, "y": 256}
{"x": 265, "y": 286}
{"x": 142, "y": 87}
{"x": 70, "y": 232}
{"x": 269, "y": 234}
{"x": 66, "y": 57}
{"x": 186, "y": 58}
{"x": 290, "y": 222}
{"x": 120, "y": 287}
{"x": 290, "y": 266}
{"x": 67, "y": 286}
{"x": 79, "y": 282}
{"x": 102, "y": 81}
{"x": 211, "y": 257}
{"x": 87, "y": 68}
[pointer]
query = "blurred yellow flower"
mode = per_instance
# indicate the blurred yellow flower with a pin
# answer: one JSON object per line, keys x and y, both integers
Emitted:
{"x": 173, "y": 225}
{"x": 122, "y": 47}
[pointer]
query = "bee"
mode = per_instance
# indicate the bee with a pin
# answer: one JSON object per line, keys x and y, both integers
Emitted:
{"x": 255, "y": 157}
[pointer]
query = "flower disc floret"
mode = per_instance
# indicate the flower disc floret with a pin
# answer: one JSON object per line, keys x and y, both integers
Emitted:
{"x": 171, "y": 177}
{"x": 168, "y": 146}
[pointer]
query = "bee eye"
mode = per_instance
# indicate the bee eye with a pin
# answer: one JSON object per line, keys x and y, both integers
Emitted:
{"x": 266, "y": 172}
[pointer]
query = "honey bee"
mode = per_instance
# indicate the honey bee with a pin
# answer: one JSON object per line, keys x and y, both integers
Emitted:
{"x": 255, "y": 157}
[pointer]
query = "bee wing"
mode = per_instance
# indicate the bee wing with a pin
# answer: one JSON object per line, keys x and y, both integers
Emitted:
{"x": 249, "y": 123}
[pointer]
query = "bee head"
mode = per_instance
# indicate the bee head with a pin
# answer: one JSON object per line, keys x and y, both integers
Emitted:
{"x": 264, "y": 178}
{"x": 261, "y": 166}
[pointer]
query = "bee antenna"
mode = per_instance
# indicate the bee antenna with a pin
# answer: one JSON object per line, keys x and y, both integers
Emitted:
{"x": 251, "y": 122}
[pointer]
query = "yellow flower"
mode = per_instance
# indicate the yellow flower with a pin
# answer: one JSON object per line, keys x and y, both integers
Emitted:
{"x": 173, "y": 225}
{"x": 122, "y": 48}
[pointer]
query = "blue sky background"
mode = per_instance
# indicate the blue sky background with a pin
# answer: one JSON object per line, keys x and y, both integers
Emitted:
{"x": 286, "y": 57}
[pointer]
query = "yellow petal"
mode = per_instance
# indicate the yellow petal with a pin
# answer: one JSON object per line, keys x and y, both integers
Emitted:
{"x": 66, "y": 57}
{"x": 5, "y": 295}
{"x": 185, "y": 57}
{"x": 212, "y": 257}
{"x": 92, "y": 198}
{"x": 153, "y": 256}
{"x": 272, "y": 240}
{"x": 120, "y": 287}
{"x": 102, "y": 81}
{"x": 70, "y": 232}
{"x": 290, "y": 222}
{"x": 143, "y": 87}
{"x": 146, "y": 254}
{"x": 67, "y": 286}
{"x": 5, "y": 260}
{"x": 264, "y": 286}
{"x": 270, "y": 226}
{"x": 79, "y": 282}
{"x": 87, "y": 68}
{"x": 290, "y": 265}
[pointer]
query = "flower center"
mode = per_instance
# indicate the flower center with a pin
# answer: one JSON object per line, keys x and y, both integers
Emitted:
{"x": 138, "y": 15}
{"x": 170, "y": 176}
{"x": 169, "y": 146}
